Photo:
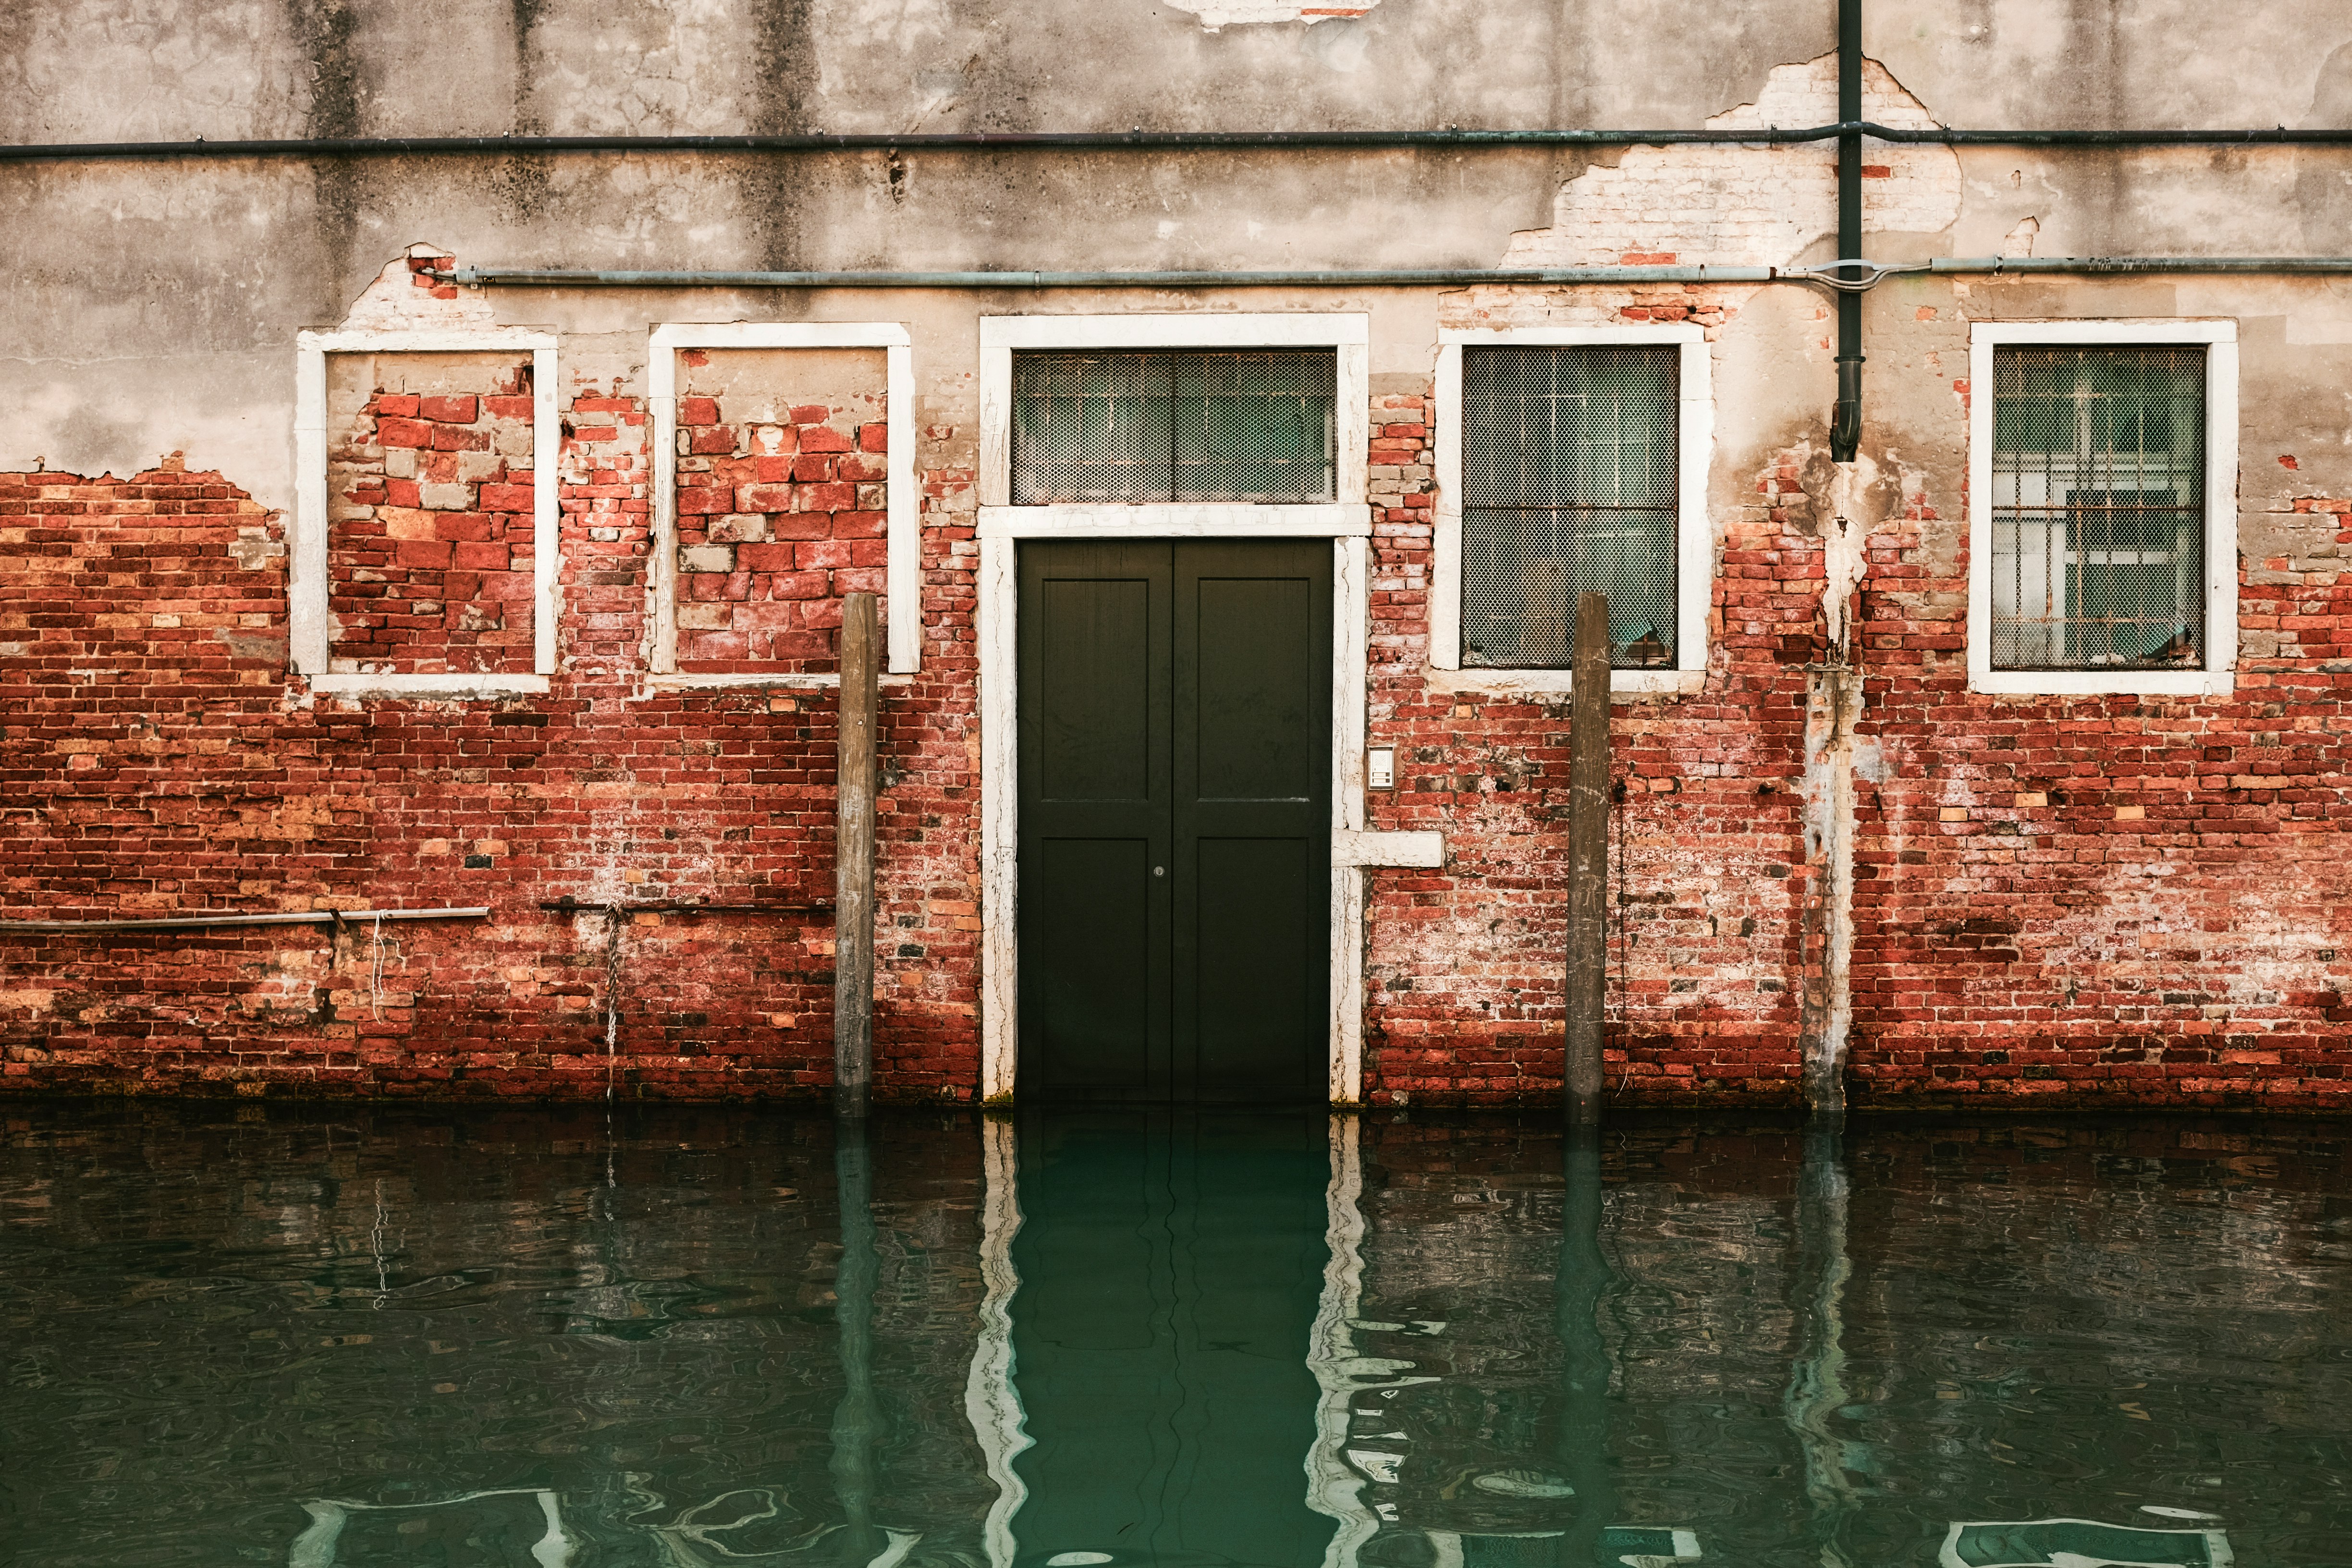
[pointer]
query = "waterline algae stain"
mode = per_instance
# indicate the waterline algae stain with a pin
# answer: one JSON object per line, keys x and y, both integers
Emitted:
{"x": 681, "y": 1338}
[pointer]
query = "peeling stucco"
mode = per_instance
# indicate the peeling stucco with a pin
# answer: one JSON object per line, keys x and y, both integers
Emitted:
{"x": 1750, "y": 205}
{"x": 402, "y": 298}
{"x": 1217, "y": 13}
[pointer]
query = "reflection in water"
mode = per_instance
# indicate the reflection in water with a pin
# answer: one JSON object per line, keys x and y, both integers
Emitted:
{"x": 339, "y": 1338}
{"x": 1342, "y": 1377}
{"x": 316, "y": 1546}
{"x": 1817, "y": 1389}
{"x": 1171, "y": 1267}
{"x": 1584, "y": 1277}
{"x": 990, "y": 1401}
{"x": 855, "y": 1417}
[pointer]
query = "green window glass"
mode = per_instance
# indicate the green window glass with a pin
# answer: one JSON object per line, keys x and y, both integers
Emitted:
{"x": 1239, "y": 426}
{"x": 2098, "y": 509}
{"x": 1570, "y": 462}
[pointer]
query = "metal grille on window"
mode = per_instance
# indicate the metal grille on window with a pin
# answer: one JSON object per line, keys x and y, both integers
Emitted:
{"x": 1253, "y": 426}
{"x": 2098, "y": 509}
{"x": 1569, "y": 484}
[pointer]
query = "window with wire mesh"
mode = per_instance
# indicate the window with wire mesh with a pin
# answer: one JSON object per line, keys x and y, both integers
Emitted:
{"x": 2098, "y": 507}
{"x": 1569, "y": 458}
{"x": 1245, "y": 426}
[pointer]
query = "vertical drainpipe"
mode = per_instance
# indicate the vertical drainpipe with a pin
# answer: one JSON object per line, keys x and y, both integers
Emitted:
{"x": 1833, "y": 690}
{"x": 1845, "y": 423}
{"x": 1818, "y": 1393}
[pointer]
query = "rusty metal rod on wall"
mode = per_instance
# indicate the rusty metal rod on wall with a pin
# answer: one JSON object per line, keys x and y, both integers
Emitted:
{"x": 1300, "y": 278}
{"x": 1587, "y": 862}
{"x": 298, "y": 917}
{"x": 569, "y": 905}
{"x": 853, "y": 898}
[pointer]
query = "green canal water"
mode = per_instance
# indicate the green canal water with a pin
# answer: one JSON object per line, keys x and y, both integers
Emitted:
{"x": 338, "y": 1336}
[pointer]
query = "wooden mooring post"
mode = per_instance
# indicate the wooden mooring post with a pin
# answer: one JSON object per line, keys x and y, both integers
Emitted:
{"x": 853, "y": 898}
{"x": 1588, "y": 860}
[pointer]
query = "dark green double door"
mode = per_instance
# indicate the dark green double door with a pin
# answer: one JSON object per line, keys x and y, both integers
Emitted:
{"x": 1175, "y": 820}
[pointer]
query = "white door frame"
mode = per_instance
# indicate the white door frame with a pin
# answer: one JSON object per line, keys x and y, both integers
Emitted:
{"x": 1347, "y": 524}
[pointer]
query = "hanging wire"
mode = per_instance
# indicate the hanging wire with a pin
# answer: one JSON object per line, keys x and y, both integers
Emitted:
{"x": 611, "y": 1018}
{"x": 375, "y": 1245}
{"x": 1832, "y": 275}
{"x": 1618, "y": 792}
{"x": 375, "y": 974}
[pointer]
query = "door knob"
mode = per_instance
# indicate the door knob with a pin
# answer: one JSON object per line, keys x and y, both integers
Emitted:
{"x": 1160, "y": 870}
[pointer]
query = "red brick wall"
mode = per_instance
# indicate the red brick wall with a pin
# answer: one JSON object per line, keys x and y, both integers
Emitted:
{"x": 2108, "y": 897}
{"x": 1464, "y": 970}
{"x": 429, "y": 549}
{"x": 775, "y": 522}
{"x": 156, "y": 761}
{"x": 2075, "y": 899}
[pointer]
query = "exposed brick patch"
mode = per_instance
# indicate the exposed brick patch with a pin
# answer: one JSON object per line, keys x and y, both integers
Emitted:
{"x": 776, "y": 522}
{"x": 603, "y": 490}
{"x": 1747, "y": 204}
{"x": 429, "y": 545}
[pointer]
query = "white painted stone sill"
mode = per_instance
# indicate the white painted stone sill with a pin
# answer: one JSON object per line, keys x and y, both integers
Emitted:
{"x": 755, "y": 680}
{"x": 1622, "y": 683}
{"x": 1355, "y": 847}
{"x": 2089, "y": 683}
{"x": 341, "y": 684}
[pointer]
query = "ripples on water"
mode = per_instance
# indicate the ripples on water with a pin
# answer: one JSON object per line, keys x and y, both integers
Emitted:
{"x": 335, "y": 1337}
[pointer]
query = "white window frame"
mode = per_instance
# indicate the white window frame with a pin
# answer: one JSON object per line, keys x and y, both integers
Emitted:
{"x": 1346, "y": 333}
{"x": 902, "y": 570}
{"x": 2219, "y": 677}
{"x": 310, "y": 636}
{"x": 1693, "y": 534}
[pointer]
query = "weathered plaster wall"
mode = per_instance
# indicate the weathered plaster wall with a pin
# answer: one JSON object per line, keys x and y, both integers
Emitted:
{"x": 202, "y": 270}
{"x": 2019, "y": 930}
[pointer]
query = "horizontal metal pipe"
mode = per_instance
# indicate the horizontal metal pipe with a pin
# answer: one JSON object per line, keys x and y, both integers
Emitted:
{"x": 1136, "y": 141}
{"x": 1441, "y": 277}
{"x": 682, "y": 907}
{"x": 2140, "y": 264}
{"x": 2254, "y": 136}
{"x": 884, "y": 141}
{"x": 1399, "y": 276}
{"x": 298, "y": 917}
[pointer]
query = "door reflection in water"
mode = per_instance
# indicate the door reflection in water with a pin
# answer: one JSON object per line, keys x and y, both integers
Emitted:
{"x": 1170, "y": 1268}
{"x": 342, "y": 1337}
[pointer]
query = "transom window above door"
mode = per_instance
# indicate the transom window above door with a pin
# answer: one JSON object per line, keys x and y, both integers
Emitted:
{"x": 1251, "y": 427}
{"x": 1169, "y": 424}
